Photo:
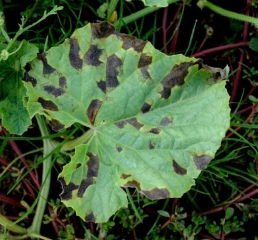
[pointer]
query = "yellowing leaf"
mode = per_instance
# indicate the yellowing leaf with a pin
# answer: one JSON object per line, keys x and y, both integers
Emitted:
{"x": 155, "y": 121}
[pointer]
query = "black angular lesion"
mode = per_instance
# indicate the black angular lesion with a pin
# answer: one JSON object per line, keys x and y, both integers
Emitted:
{"x": 120, "y": 124}
{"x": 91, "y": 57}
{"x": 166, "y": 121}
{"x": 113, "y": 63}
{"x": 62, "y": 82}
{"x": 151, "y": 146}
{"x": 134, "y": 122}
{"x": 47, "y": 104}
{"x": 132, "y": 42}
{"x": 90, "y": 217}
{"x": 124, "y": 175}
{"x": 201, "y": 162}
{"x": 47, "y": 69}
{"x": 176, "y": 77}
{"x": 119, "y": 148}
{"x": 143, "y": 63}
{"x": 92, "y": 172}
{"x": 27, "y": 78}
{"x": 93, "y": 109}
{"x": 133, "y": 183}
{"x": 102, "y": 30}
{"x": 74, "y": 56}
{"x": 85, "y": 183}
{"x": 67, "y": 189}
{"x": 102, "y": 86}
{"x": 54, "y": 90}
{"x": 145, "y": 107}
{"x": 155, "y": 130}
{"x": 178, "y": 169}
{"x": 157, "y": 193}
{"x": 93, "y": 165}
{"x": 56, "y": 125}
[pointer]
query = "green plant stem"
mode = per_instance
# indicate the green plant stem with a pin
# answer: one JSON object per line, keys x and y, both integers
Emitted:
{"x": 22, "y": 29}
{"x": 226, "y": 13}
{"x": 11, "y": 226}
{"x": 70, "y": 145}
{"x": 46, "y": 177}
{"x": 111, "y": 8}
{"x": 139, "y": 14}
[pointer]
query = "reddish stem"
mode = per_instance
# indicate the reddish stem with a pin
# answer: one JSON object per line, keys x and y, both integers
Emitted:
{"x": 175, "y": 38}
{"x": 10, "y": 200}
{"x": 248, "y": 195}
{"x": 245, "y": 110}
{"x": 221, "y": 48}
{"x": 19, "y": 153}
{"x": 164, "y": 29}
{"x": 31, "y": 192}
{"x": 240, "y": 62}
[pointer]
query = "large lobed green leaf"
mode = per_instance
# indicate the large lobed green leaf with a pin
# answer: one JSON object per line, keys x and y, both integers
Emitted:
{"x": 14, "y": 115}
{"x": 155, "y": 121}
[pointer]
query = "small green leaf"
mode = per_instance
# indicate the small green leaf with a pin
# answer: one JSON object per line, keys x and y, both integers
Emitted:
{"x": 254, "y": 44}
{"x": 253, "y": 99}
{"x": 164, "y": 213}
{"x": 229, "y": 213}
{"x": 155, "y": 121}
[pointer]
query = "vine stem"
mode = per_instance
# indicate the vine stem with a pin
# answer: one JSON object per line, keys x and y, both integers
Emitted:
{"x": 46, "y": 177}
{"x": 221, "y": 48}
{"x": 226, "y": 13}
{"x": 139, "y": 14}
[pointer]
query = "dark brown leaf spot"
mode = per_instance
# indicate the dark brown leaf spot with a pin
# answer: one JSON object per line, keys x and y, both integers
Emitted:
{"x": 134, "y": 123}
{"x": 120, "y": 124}
{"x": 47, "y": 104}
{"x": 155, "y": 130}
{"x": 102, "y": 85}
{"x": 92, "y": 172}
{"x": 179, "y": 169}
{"x": 74, "y": 57}
{"x": 145, "y": 107}
{"x": 67, "y": 189}
{"x": 217, "y": 73}
{"x": 47, "y": 69}
{"x": 102, "y": 30}
{"x": 201, "y": 162}
{"x": 85, "y": 183}
{"x": 54, "y": 90}
{"x": 157, "y": 193}
{"x": 144, "y": 60}
{"x": 93, "y": 109}
{"x": 151, "y": 145}
{"x": 56, "y": 125}
{"x": 92, "y": 56}
{"x": 90, "y": 217}
{"x": 93, "y": 165}
{"x": 132, "y": 42}
{"x": 113, "y": 63}
{"x": 143, "y": 63}
{"x": 62, "y": 82}
{"x": 124, "y": 176}
{"x": 134, "y": 184}
{"x": 119, "y": 148}
{"x": 174, "y": 78}
{"x": 166, "y": 121}
{"x": 27, "y": 78}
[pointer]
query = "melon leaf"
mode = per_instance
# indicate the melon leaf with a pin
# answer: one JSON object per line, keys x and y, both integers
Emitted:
{"x": 155, "y": 121}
